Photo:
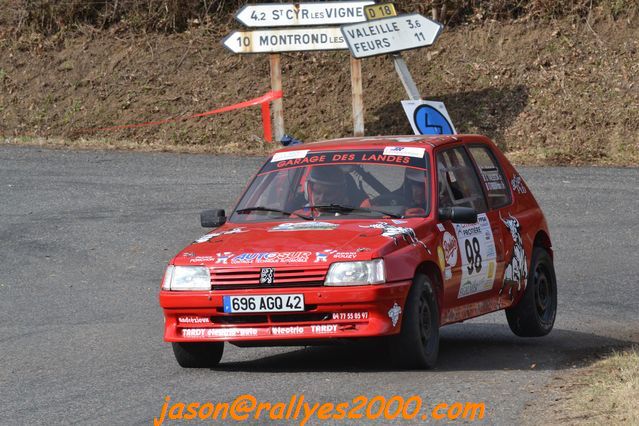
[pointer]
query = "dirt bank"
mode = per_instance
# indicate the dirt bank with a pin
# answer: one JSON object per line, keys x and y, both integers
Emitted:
{"x": 556, "y": 92}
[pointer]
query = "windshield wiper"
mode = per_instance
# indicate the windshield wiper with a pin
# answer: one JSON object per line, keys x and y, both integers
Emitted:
{"x": 268, "y": 209}
{"x": 340, "y": 208}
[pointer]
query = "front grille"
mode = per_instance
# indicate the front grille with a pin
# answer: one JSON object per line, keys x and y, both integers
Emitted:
{"x": 284, "y": 276}
{"x": 272, "y": 318}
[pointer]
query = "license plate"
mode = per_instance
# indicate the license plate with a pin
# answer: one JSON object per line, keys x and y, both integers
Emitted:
{"x": 271, "y": 303}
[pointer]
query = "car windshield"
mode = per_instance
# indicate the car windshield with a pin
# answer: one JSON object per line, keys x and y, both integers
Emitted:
{"x": 302, "y": 185}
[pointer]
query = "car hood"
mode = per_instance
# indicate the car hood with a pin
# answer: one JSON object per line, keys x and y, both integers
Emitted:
{"x": 295, "y": 243}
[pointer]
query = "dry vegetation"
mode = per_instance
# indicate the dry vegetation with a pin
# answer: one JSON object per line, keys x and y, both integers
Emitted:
{"x": 604, "y": 393}
{"x": 52, "y": 16}
{"x": 552, "y": 82}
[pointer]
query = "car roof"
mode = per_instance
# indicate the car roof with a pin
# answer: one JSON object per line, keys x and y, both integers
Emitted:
{"x": 376, "y": 142}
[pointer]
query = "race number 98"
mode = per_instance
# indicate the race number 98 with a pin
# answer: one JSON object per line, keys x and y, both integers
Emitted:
{"x": 473, "y": 255}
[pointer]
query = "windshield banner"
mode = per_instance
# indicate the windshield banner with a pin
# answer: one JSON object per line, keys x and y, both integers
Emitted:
{"x": 393, "y": 156}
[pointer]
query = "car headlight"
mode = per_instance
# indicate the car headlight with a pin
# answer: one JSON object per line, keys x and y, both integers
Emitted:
{"x": 356, "y": 273}
{"x": 186, "y": 278}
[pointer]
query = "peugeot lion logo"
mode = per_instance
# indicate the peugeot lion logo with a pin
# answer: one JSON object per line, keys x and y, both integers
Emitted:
{"x": 266, "y": 275}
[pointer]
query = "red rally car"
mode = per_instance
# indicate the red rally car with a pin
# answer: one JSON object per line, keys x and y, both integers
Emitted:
{"x": 389, "y": 237}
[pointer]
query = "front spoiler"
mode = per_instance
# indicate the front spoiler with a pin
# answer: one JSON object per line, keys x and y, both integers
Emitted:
{"x": 346, "y": 313}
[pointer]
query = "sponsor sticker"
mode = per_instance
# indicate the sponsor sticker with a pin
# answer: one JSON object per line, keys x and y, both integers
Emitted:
{"x": 305, "y": 226}
{"x": 495, "y": 186}
{"x": 344, "y": 255}
{"x": 202, "y": 259}
{"x": 441, "y": 257}
{"x": 289, "y": 155}
{"x": 350, "y": 315}
{"x": 518, "y": 184}
{"x": 478, "y": 256}
{"x": 405, "y": 151}
{"x": 320, "y": 257}
{"x": 394, "y": 313}
{"x": 193, "y": 320}
{"x": 324, "y": 328}
{"x": 397, "y": 232}
{"x": 287, "y": 330}
{"x": 271, "y": 257}
{"x": 516, "y": 273}
{"x": 223, "y": 257}
{"x": 219, "y": 332}
{"x": 450, "y": 249}
{"x": 208, "y": 237}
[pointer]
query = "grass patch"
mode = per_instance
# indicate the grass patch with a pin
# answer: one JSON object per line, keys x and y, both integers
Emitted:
{"x": 603, "y": 393}
{"x": 607, "y": 392}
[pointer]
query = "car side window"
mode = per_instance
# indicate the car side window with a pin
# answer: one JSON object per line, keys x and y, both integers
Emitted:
{"x": 458, "y": 184}
{"x": 492, "y": 176}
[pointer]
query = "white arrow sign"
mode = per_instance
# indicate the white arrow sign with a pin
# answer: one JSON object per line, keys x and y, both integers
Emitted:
{"x": 302, "y": 14}
{"x": 285, "y": 40}
{"x": 389, "y": 35}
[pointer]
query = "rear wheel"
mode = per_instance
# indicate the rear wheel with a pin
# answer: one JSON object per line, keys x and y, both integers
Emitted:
{"x": 198, "y": 355}
{"x": 417, "y": 345}
{"x": 535, "y": 313}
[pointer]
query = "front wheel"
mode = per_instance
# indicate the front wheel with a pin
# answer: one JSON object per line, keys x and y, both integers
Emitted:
{"x": 198, "y": 355}
{"x": 534, "y": 315}
{"x": 417, "y": 345}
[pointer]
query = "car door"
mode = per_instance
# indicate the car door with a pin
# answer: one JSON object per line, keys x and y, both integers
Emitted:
{"x": 470, "y": 250}
{"x": 499, "y": 199}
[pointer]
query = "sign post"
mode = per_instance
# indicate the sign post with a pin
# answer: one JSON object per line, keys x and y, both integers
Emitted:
{"x": 358, "y": 97}
{"x": 386, "y": 10}
{"x": 320, "y": 33}
{"x": 405, "y": 77}
{"x": 278, "y": 104}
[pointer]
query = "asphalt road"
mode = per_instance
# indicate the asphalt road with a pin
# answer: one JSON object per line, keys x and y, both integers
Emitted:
{"x": 85, "y": 237}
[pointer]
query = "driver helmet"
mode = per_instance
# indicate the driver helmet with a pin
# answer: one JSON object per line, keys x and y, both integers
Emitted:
{"x": 413, "y": 177}
{"x": 324, "y": 179}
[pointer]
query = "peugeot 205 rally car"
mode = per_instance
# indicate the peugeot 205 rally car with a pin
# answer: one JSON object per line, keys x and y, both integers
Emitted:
{"x": 388, "y": 237}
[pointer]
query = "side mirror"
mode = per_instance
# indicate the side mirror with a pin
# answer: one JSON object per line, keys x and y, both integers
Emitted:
{"x": 458, "y": 214}
{"x": 212, "y": 218}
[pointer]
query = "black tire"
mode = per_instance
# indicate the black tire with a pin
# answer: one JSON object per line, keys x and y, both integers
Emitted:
{"x": 198, "y": 355}
{"x": 534, "y": 315}
{"x": 417, "y": 345}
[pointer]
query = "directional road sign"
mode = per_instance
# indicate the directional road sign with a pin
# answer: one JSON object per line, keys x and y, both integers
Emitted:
{"x": 389, "y": 35}
{"x": 285, "y": 40}
{"x": 302, "y": 14}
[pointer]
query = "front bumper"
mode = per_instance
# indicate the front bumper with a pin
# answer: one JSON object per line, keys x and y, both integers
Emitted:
{"x": 331, "y": 312}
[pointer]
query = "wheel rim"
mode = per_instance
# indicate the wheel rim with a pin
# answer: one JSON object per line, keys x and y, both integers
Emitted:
{"x": 425, "y": 328}
{"x": 543, "y": 293}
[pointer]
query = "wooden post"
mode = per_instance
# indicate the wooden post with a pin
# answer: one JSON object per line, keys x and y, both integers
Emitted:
{"x": 278, "y": 105}
{"x": 358, "y": 97}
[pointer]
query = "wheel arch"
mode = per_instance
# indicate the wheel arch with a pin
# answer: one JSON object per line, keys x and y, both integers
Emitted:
{"x": 542, "y": 239}
{"x": 431, "y": 270}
